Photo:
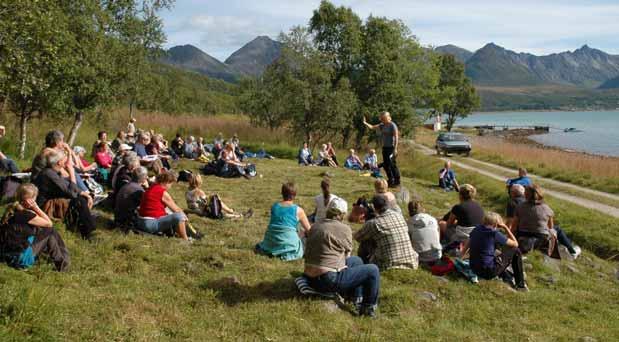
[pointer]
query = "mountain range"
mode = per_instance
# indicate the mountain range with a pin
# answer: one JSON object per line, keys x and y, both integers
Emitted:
{"x": 490, "y": 66}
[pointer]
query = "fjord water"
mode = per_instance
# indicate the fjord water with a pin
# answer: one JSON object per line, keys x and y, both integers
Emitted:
{"x": 600, "y": 130}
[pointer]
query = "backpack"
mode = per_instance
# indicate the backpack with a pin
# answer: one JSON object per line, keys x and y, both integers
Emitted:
{"x": 211, "y": 168}
{"x": 213, "y": 208}
{"x": 94, "y": 187}
{"x": 8, "y": 187}
{"x": 184, "y": 175}
{"x": 250, "y": 170}
{"x": 192, "y": 232}
{"x": 16, "y": 245}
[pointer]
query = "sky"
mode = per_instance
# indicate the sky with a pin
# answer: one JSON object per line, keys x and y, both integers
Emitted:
{"x": 536, "y": 26}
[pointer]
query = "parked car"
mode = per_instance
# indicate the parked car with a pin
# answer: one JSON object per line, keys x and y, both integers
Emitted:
{"x": 453, "y": 143}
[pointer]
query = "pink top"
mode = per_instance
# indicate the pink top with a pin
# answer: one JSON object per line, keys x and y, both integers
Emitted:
{"x": 103, "y": 159}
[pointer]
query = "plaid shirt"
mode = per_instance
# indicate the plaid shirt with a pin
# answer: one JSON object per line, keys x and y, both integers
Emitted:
{"x": 389, "y": 231}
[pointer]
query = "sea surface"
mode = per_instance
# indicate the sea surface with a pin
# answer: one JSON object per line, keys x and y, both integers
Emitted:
{"x": 599, "y": 130}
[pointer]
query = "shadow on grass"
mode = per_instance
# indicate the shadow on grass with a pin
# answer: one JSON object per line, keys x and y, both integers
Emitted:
{"x": 232, "y": 292}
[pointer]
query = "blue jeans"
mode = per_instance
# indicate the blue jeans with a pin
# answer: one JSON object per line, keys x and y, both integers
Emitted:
{"x": 163, "y": 224}
{"x": 8, "y": 165}
{"x": 358, "y": 280}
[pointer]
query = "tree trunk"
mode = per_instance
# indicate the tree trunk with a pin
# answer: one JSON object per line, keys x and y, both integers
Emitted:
{"x": 23, "y": 122}
{"x": 5, "y": 103}
{"x": 79, "y": 118}
{"x": 131, "y": 109}
{"x": 451, "y": 120}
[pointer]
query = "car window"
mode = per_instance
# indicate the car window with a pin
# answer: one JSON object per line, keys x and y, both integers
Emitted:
{"x": 452, "y": 137}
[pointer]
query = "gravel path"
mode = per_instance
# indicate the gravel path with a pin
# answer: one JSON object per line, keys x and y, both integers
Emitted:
{"x": 586, "y": 203}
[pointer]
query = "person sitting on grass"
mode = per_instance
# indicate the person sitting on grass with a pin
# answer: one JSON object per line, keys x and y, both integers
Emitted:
{"x": 282, "y": 238}
{"x": 156, "y": 201}
{"x": 522, "y": 179}
{"x": 305, "y": 156}
{"x": 535, "y": 227}
{"x": 104, "y": 161}
{"x": 157, "y": 148}
{"x": 463, "y": 217}
{"x": 231, "y": 165}
{"x": 121, "y": 138}
{"x": 332, "y": 154}
{"x": 6, "y": 164}
{"x": 447, "y": 178}
{"x": 140, "y": 149}
{"x": 25, "y": 224}
{"x": 370, "y": 161}
{"x": 53, "y": 186}
{"x": 516, "y": 198}
{"x": 324, "y": 159}
{"x": 127, "y": 200}
{"x": 352, "y": 161}
{"x": 178, "y": 145}
{"x": 424, "y": 234}
{"x": 81, "y": 164}
{"x": 481, "y": 245}
{"x": 322, "y": 201}
{"x": 190, "y": 150}
{"x": 54, "y": 141}
{"x": 329, "y": 266}
{"x": 197, "y": 201}
{"x": 381, "y": 187}
{"x": 385, "y": 240}
{"x": 101, "y": 138}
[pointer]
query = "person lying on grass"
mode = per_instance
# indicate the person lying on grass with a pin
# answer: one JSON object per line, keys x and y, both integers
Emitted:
{"x": 534, "y": 225}
{"x": 154, "y": 217}
{"x": 384, "y": 239}
{"x": 24, "y": 220}
{"x": 198, "y": 202}
{"x": 322, "y": 201}
{"x": 447, "y": 178}
{"x": 463, "y": 217}
{"x": 481, "y": 245}
{"x": 424, "y": 234}
{"x": 282, "y": 238}
{"x": 329, "y": 266}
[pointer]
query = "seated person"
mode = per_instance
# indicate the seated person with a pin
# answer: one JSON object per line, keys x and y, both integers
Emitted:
{"x": 324, "y": 159}
{"x": 81, "y": 164}
{"x": 219, "y": 140}
{"x": 6, "y": 164}
{"x": 123, "y": 174}
{"x": 54, "y": 141}
{"x": 104, "y": 161}
{"x": 118, "y": 157}
{"x": 281, "y": 240}
{"x": 121, "y": 138}
{"x": 424, "y": 234}
{"x": 197, "y": 201}
{"x": 23, "y": 220}
{"x": 370, "y": 162}
{"x": 154, "y": 148}
{"x": 101, "y": 138}
{"x": 332, "y": 154}
{"x": 153, "y": 216}
{"x": 522, "y": 179}
{"x": 447, "y": 178}
{"x": 463, "y": 217}
{"x": 329, "y": 266}
{"x": 127, "y": 200}
{"x": 191, "y": 149}
{"x": 322, "y": 201}
{"x": 178, "y": 145}
{"x": 381, "y": 187}
{"x": 533, "y": 224}
{"x": 305, "y": 156}
{"x": 53, "y": 186}
{"x": 482, "y": 244}
{"x": 140, "y": 149}
{"x": 384, "y": 239}
{"x": 131, "y": 130}
{"x": 516, "y": 198}
{"x": 353, "y": 162}
{"x": 202, "y": 149}
{"x": 231, "y": 165}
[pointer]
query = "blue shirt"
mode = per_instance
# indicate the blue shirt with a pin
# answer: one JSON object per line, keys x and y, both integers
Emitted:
{"x": 524, "y": 181}
{"x": 140, "y": 150}
{"x": 482, "y": 242}
{"x": 449, "y": 175}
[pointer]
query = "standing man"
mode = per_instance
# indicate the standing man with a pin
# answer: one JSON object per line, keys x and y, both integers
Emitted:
{"x": 391, "y": 138}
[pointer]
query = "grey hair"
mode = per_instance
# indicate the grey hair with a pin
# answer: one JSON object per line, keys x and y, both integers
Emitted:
{"x": 79, "y": 149}
{"x": 131, "y": 160}
{"x": 518, "y": 189}
{"x": 140, "y": 174}
{"x": 53, "y": 138}
{"x": 54, "y": 157}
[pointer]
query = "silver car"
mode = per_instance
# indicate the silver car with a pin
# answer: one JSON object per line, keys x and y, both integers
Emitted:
{"x": 453, "y": 143}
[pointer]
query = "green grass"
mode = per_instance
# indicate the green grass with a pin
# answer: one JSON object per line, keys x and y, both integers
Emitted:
{"x": 143, "y": 288}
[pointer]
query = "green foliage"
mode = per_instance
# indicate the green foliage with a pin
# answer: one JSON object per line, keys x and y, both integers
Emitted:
{"x": 456, "y": 94}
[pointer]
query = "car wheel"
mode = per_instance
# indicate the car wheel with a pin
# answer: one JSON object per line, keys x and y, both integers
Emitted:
{"x": 438, "y": 152}
{"x": 468, "y": 153}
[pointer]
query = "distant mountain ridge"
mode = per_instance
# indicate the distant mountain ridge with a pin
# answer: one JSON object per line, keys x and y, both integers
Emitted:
{"x": 461, "y": 54}
{"x": 250, "y": 60}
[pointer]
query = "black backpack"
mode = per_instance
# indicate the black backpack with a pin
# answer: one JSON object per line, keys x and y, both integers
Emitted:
{"x": 185, "y": 175}
{"x": 8, "y": 188}
{"x": 213, "y": 208}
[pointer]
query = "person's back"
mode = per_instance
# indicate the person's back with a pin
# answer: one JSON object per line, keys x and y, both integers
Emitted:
{"x": 482, "y": 242}
{"x": 534, "y": 217}
{"x": 321, "y": 206}
{"x": 151, "y": 204}
{"x": 424, "y": 234}
{"x": 284, "y": 216}
{"x": 468, "y": 213}
{"x": 328, "y": 244}
{"x": 127, "y": 202}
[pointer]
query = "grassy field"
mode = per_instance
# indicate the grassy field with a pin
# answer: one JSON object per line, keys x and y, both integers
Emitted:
{"x": 145, "y": 288}
{"x": 595, "y": 172}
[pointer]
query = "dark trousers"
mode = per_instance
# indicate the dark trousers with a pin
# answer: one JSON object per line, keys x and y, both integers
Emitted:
{"x": 358, "y": 280}
{"x": 8, "y": 165}
{"x": 86, "y": 222}
{"x": 564, "y": 240}
{"x": 391, "y": 167}
{"x": 509, "y": 256}
{"x": 49, "y": 242}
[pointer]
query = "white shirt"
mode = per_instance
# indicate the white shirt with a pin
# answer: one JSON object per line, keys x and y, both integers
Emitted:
{"x": 321, "y": 208}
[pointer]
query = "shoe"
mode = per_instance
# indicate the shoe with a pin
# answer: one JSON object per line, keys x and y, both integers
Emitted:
{"x": 577, "y": 252}
{"x": 368, "y": 311}
{"x": 249, "y": 213}
{"x": 522, "y": 288}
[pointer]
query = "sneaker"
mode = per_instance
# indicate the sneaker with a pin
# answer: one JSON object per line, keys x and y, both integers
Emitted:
{"x": 577, "y": 252}
{"x": 368, "y": 311}
{"x": 522, "y": 288}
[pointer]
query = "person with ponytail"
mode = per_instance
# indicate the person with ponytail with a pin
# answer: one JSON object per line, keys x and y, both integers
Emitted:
{"x": 26, "y": 226}
{"x": 323, "y": 200}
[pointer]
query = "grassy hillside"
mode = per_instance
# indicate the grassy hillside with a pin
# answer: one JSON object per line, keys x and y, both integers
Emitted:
{"x": 144, "y": 288}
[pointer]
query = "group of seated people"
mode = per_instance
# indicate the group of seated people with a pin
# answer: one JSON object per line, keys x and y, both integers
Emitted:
{"x": 327, "y": 157}
{"x": 386, "y": 240}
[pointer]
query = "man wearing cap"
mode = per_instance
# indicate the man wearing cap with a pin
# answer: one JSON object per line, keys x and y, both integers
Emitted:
{"x": 329, "y": 266}
{"x": 386, "y": 239}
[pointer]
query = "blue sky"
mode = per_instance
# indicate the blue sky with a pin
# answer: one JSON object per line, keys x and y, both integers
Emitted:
{"x": 540, "y": 27}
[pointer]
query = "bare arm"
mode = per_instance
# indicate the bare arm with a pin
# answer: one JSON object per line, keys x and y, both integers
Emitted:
{"x": 396, "y": 138}
{"x": 452, "y": 220}
{"x": 169, "y": 202}
{"x": 369, "y": 126}
{"x": 41, "y": 220}
{"x": 303, "y": 219}
{"x": 511, "y": 239}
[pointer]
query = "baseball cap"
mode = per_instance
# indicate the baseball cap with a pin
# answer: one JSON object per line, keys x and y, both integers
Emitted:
{"x": 339, "y": 205}
{"x": 124, "y": 147}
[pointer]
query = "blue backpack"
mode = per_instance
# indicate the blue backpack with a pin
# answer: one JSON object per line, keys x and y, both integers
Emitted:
{"x": 26, "y": 258}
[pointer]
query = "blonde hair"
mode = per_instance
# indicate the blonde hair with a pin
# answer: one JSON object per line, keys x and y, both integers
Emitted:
{"x": 492, "y": 219}
{"x": 195, "y": 181}
{"x": 23, "y": 192}
{"x": 467, "y": 192}
{"x": 381, "y": 186}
